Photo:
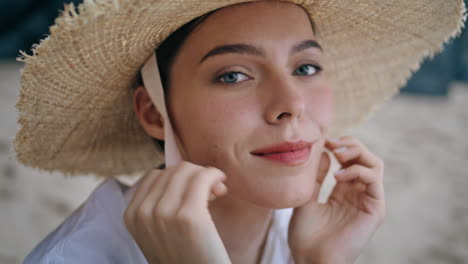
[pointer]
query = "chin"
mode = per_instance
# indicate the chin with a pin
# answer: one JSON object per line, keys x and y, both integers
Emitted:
{"x": 272, "y": 186}
{"x": 284, "y": 196}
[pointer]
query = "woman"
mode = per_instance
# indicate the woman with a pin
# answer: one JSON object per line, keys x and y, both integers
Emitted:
{"x": 250, "y": 108}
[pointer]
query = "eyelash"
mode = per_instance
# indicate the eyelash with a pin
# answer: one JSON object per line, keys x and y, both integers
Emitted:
{"x": 219, "y": 77}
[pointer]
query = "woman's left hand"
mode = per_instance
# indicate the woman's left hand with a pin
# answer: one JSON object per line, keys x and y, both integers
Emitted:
{"x": 337, "y": 231}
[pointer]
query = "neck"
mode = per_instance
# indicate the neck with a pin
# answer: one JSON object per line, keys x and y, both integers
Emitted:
{"x": 242, "y": 226}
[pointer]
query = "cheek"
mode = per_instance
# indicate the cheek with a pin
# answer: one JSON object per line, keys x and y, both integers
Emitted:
{"x": 227, "y": 110}
{"x": 321, "y": 105}
{"x": 228, "y": 117}
{"x": 210, "y": 126}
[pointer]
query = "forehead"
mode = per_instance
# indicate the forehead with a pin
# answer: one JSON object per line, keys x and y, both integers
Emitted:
{"x": 258, "y": 23}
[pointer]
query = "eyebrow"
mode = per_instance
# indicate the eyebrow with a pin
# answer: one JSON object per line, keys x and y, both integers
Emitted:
{"x": 255, "y": 51}
{"x": 306, "y": 44}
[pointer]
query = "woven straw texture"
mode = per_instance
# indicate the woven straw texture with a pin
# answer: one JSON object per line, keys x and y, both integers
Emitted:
{"x": 75, "y": 110}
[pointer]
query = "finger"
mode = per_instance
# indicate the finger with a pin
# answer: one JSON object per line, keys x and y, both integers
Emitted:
{"x": 167, "y": 199}
{"x": 201, "y": 186}
{"x": 142, "y": 189}
{"x": 324, "y": 166}
{"x": 348, "y": 149}
{"x": 368, "y": 176}
{"x": 350, "y": 154}
{"x": 339, "y": 191}
{"x": 340, "y": 141}
{"x": 152, "y": 203}
{"x": 145, "y": 212}
{"x": 171, "y": 199}
{"x": 219, "y": 189}
{"x": 149, "y": 218}
{"x": 140, "y": 216}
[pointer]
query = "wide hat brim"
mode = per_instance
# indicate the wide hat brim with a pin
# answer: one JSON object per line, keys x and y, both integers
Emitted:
{"x": 75, "y": 103}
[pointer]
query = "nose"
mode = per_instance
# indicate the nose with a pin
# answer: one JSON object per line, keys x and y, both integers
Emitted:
{"x": 286, "y": 101}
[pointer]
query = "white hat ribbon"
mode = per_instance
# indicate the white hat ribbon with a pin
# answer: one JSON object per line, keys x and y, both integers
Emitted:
{"x": 152, "y": 82}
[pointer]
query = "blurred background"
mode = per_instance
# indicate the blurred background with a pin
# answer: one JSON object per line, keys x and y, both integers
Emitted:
{"x": 421, "y": 134}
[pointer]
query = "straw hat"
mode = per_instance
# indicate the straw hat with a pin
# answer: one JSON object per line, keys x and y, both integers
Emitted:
{"x": 75, "y": 102}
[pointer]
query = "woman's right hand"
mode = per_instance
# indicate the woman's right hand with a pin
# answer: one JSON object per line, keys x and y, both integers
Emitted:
{"x": 169, "y": 218}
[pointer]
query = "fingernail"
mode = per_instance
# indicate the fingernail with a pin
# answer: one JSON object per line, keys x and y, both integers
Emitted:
{"x": 342, "y": 149}
{"x": 334, "y": 140}
{"x": 339, "y": 172}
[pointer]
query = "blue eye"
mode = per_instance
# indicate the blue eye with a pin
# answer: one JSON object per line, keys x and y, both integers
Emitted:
{"x": 232, "y": 77}
{"x": 307, "y": 69}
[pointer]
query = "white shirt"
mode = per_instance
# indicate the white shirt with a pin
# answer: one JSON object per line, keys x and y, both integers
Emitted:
{"x": 96, "y": 233}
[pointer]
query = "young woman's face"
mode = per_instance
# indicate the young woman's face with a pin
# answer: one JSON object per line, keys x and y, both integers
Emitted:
{"x": 262, "y": 88}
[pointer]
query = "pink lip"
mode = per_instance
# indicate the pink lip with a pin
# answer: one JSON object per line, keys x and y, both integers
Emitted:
{"x": 290, "y": 153}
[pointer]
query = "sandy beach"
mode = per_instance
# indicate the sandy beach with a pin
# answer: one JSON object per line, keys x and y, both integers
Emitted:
{"x": 423, "y": 141}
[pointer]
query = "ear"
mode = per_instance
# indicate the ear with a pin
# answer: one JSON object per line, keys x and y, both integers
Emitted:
{"x": 150, "y": 118}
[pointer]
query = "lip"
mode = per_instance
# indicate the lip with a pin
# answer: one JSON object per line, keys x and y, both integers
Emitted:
{"x": 288, "y": 153}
